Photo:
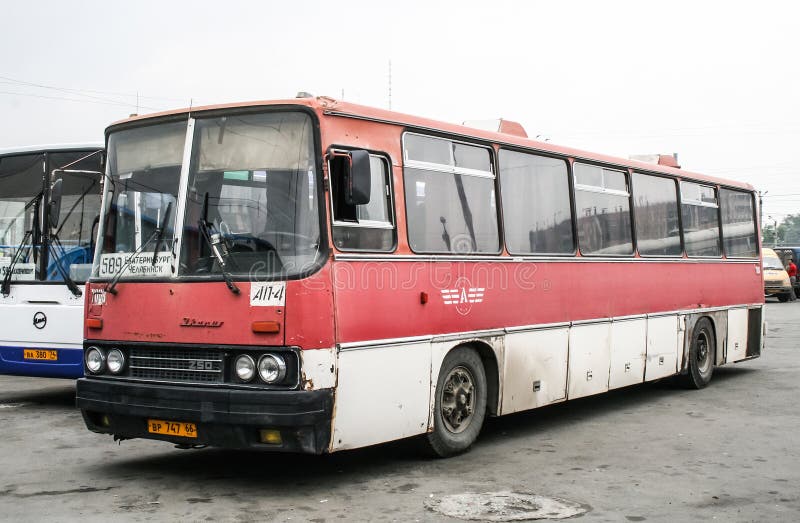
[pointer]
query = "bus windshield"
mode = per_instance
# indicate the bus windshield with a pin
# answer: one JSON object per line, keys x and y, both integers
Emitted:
{"x": 80, "y": 214}
{"x": 251, "y": 196}
{"x": 144, "y": 165}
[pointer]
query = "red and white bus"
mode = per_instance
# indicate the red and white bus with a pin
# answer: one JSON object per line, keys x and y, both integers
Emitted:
{"x": 313, "y": 275}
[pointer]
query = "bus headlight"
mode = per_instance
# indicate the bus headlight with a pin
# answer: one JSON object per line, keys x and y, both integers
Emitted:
{"x": 115, "y": 361}
{"x": 272, "y": 368}
{"x": 95, "y": 360}
{"x": 245, "y": 367}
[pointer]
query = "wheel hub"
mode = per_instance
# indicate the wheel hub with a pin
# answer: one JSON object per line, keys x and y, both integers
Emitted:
{"x": 703, "y": 353}
{"x": 457, "y": 406}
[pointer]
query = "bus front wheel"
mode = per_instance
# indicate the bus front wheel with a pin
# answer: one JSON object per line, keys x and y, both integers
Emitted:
{"x": 702, "y": 354}
{"x": 460, "y": 403}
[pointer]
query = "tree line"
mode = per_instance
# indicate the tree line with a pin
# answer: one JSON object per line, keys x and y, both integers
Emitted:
{"x": 786, "y": 233}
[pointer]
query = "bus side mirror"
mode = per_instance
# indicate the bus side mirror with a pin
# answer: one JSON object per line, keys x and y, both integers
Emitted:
{"x": 54, "y": 203}
{"x": 357, "y": 179}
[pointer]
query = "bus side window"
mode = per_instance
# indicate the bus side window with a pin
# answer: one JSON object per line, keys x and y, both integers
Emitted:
{"x": 603, "y": 208}
{"x": 699, "y": 213}
{"x": 368, "y": 227}
{"x": 739, "y": 235}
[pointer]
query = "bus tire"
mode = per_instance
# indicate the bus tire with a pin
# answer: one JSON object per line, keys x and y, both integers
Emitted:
{"x": 783, "y": 298}
{"x": 460, "y": 403}
{"x": 702, "y": 354}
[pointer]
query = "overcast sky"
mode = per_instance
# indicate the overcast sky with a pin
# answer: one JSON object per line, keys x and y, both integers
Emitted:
{"x": 716, "y": 82}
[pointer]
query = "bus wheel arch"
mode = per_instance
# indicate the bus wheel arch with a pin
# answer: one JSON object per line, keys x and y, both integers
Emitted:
{"x": 492, "y": 370}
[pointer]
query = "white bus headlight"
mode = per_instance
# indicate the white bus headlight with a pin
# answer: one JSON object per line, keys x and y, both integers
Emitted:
{"x": 245, "y": 367}
{"x": 115, "y": 361}
{"x": 95, "y": 360}
{"x": 271, "y": 368}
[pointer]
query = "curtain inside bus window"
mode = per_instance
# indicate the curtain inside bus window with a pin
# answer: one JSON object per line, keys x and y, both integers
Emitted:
{"x": 536, "y": 206}
{"x": 603, "y": 212}
{"x": 699, "y": 213}
{"x": 450, "y": 213}
{"x": 738, "y": 224}
{"x": 655, "y": 204}
{"x": 80, "y": 214}
{"x": 21, "y": 181}
{"x": 450, "y": 199}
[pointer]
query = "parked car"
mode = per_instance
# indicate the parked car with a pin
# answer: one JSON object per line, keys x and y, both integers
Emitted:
{"x": 776, "y": 279}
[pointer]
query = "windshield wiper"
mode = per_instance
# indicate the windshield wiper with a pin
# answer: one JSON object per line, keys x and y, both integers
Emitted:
{"x": 218, "y": 249}
{"x": 68, "y": 281}
{"x": 6, "y": 286}
{"x": 111, "y": 287}
{"x": 158, "y": 233}
{"x": 217, "y": 245}
{"x": 6, "y": 290}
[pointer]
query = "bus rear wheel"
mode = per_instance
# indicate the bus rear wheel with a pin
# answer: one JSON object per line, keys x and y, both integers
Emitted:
{"x": 702, "y": 355}
{"x": 460, "y": 403}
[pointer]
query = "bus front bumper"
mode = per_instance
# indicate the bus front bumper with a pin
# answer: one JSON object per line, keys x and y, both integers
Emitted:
{"x": 230, "y": 418}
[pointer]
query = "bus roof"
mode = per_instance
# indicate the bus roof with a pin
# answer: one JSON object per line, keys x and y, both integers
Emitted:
{"x": 23, "y": 149}
{"x": 333, "y": 107}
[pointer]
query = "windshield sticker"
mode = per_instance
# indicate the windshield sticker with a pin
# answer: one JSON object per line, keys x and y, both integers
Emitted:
{"x": 141, "y": 265}
{"x": 272, "y": 294}
{"x": 22, "y": 271}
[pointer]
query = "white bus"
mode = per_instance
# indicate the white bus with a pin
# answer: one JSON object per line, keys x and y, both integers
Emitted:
{"x": 49, "y": 208}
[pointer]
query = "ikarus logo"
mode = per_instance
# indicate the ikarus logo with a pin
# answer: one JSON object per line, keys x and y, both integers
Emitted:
{"x": 462, "y": 295}
{"x": 39, "y": 320}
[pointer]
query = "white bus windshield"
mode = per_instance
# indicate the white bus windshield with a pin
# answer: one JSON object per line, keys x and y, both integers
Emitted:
{"x": 23, "y": 178}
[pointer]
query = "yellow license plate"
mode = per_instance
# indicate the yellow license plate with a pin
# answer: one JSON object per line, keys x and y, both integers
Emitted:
{"x": 172, "y": 428}
{"x": 40, "y": 354}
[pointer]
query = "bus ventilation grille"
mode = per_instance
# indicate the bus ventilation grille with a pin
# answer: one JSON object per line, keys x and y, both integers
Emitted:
{"x": 178, "y": 365}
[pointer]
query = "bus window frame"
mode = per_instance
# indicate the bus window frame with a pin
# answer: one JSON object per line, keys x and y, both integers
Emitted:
{"x": 570, "y": 189}
{"x": 614, "y": 192}
{"x": 700, "y": 203}
{"x": 441, "y": 168}
{"x": 365, "y": 224}
{"x": 676, "y": 185}
{"x": 756, "y": 227}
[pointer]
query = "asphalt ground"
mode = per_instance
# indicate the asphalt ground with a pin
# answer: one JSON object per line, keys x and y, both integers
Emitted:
{"x": 653, "y": 452}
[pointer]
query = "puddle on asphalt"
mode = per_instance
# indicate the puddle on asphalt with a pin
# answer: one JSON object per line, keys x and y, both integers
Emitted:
{"x": 505, "y": 506}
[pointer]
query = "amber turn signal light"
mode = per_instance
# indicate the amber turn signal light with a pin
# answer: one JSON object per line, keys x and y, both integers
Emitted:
{"x": 94, "y": 323}
{"x": 270, "y": 436}
{"x": 267, "y": 327}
